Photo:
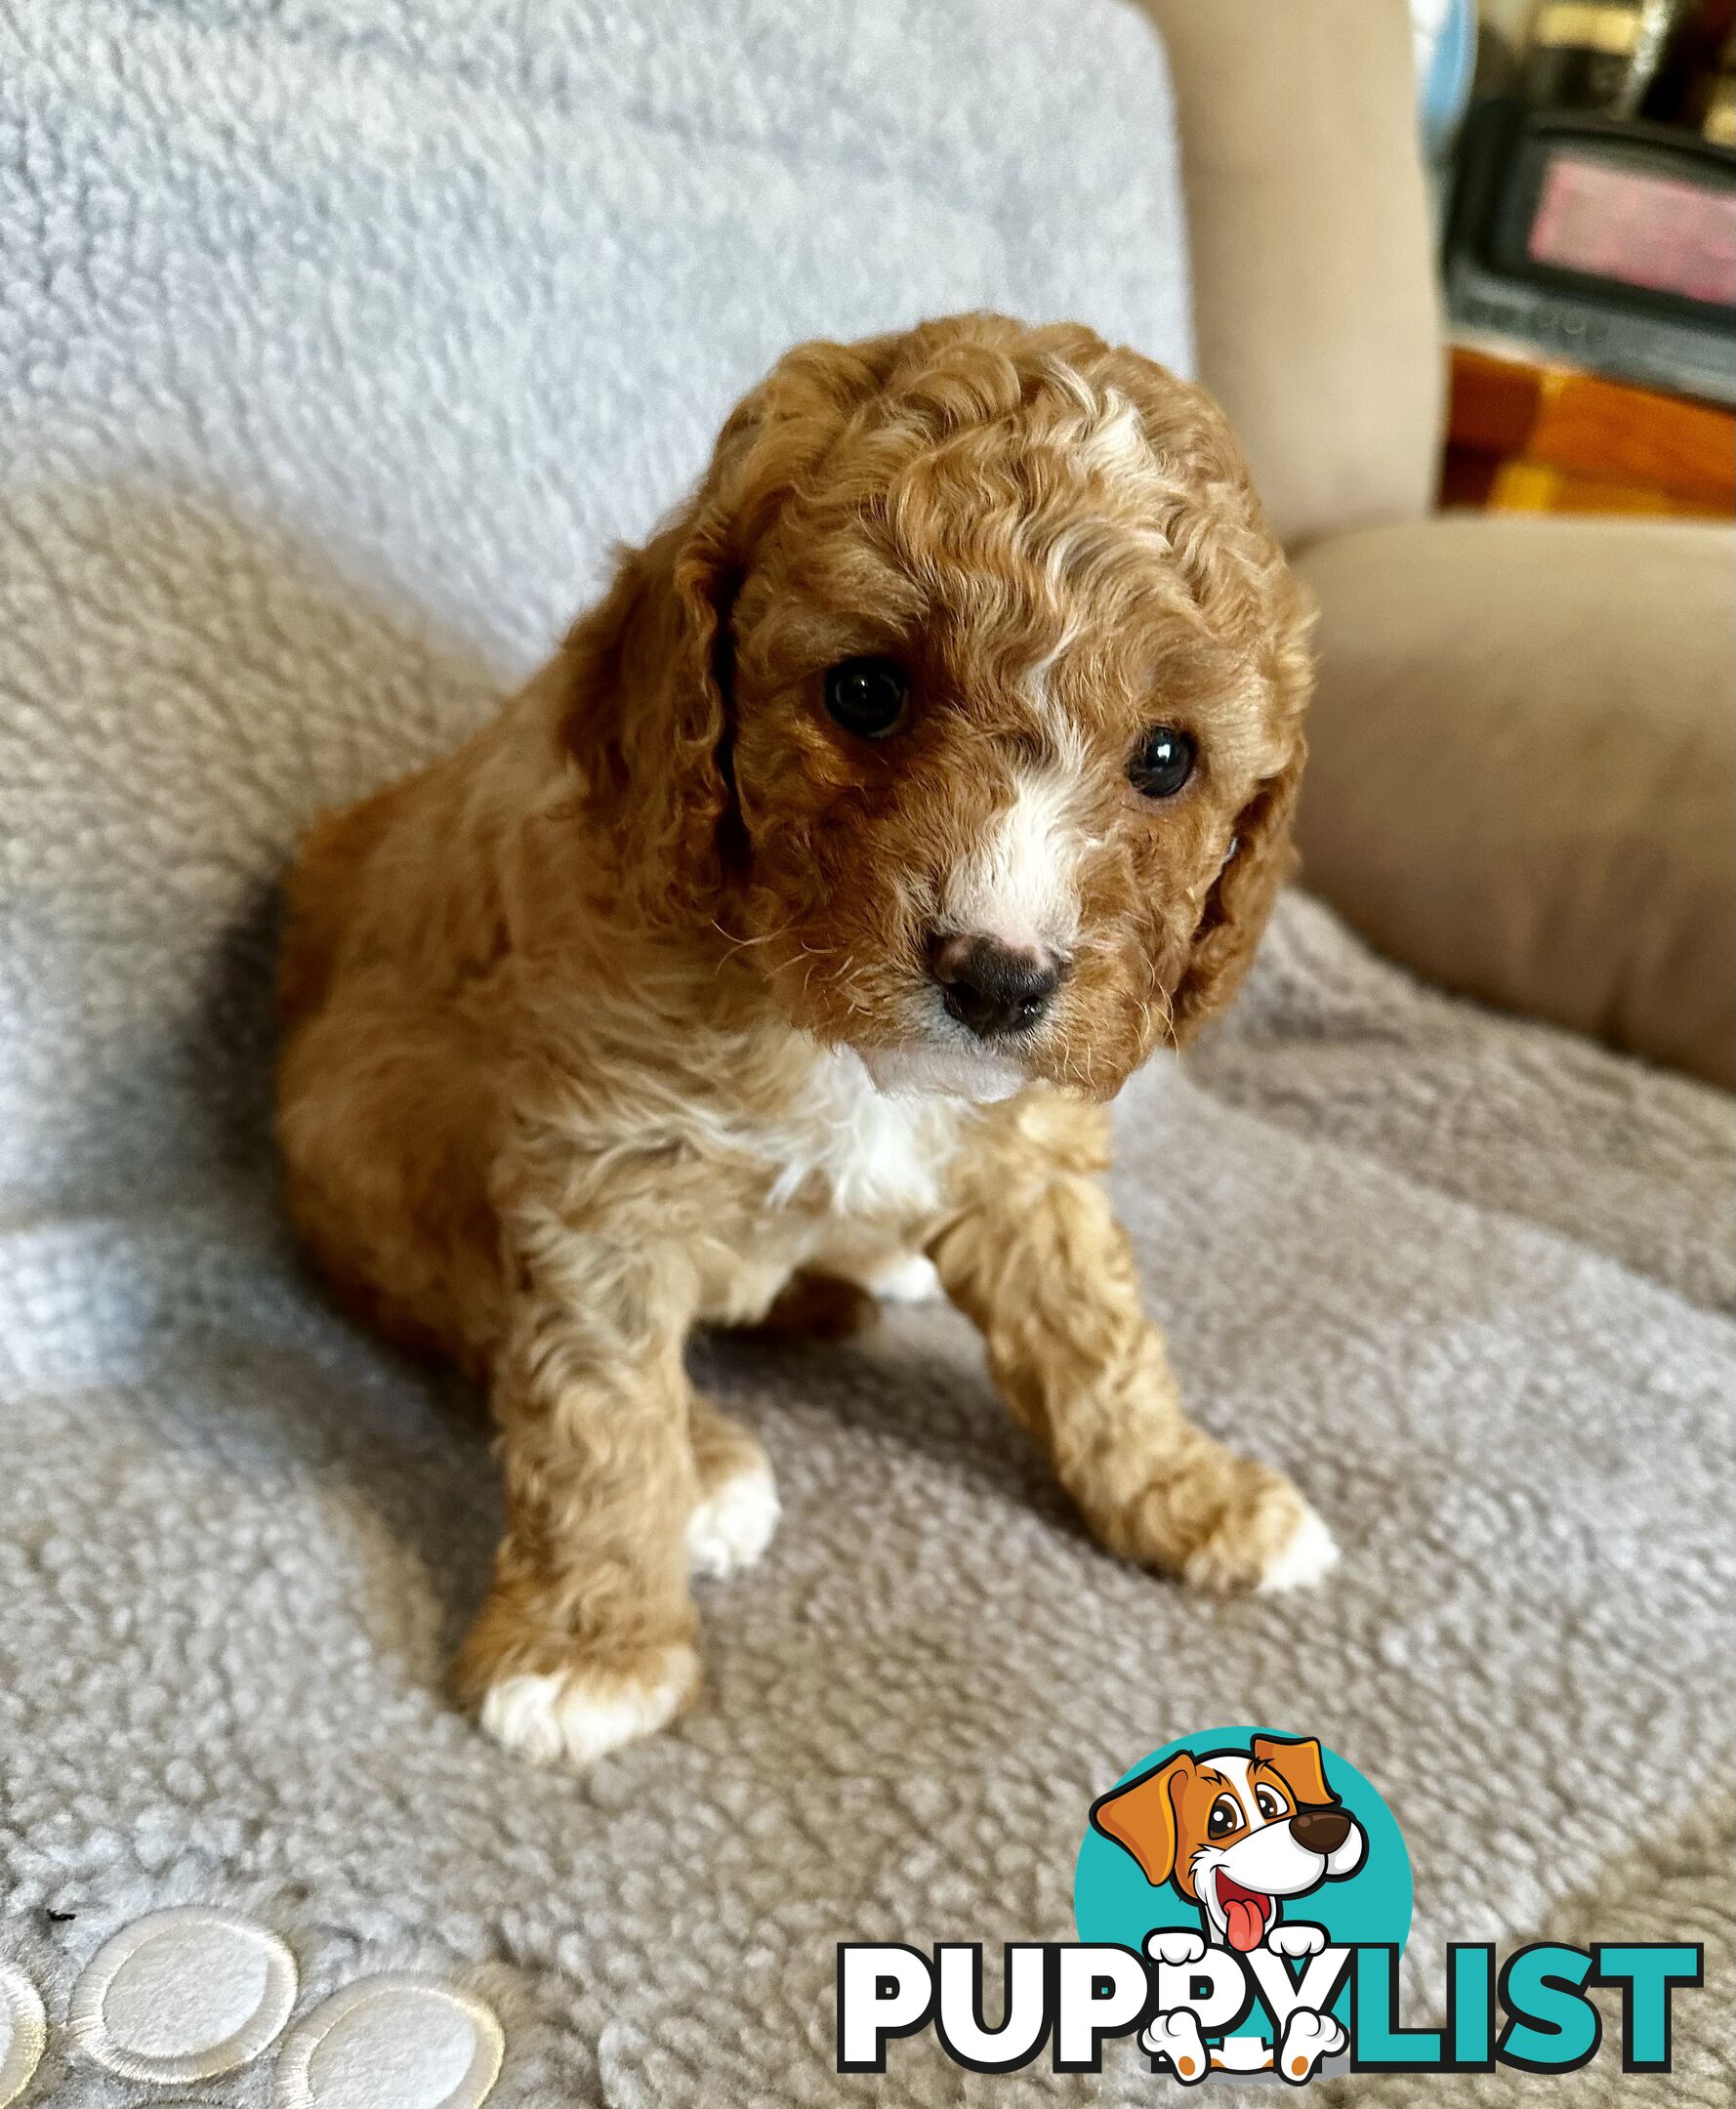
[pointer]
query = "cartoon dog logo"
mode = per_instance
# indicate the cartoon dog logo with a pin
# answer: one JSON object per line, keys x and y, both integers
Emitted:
{"x": 1239, "y": 1834}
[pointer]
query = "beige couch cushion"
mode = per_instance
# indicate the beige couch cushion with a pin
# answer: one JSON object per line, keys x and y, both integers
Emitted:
{"x": 1313, "y": 279}
{"x": 1523, "y": 769}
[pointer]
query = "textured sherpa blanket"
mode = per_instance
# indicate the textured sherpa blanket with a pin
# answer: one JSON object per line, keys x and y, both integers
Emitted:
{"x": 335, "y": 345}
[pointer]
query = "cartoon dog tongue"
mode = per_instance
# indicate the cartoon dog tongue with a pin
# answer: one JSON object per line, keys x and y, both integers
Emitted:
{"x": 1245, "y": 1912}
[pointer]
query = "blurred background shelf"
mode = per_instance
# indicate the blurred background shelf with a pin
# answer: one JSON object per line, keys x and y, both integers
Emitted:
{"x": 1525, "y": 435}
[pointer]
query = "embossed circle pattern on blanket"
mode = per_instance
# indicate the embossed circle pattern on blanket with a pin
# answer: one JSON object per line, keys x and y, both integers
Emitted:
{"x": 23, "y": 2033}
{"x": 183, "y": 1995}
{"x": 401, "y": 2040}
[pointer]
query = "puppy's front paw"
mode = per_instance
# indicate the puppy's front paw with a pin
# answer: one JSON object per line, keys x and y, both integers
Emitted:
{"x": 1296, "y": 1939}
{"x": 1221, "y": 1522}
{"x": 1308, "y": 2037}
{"x": 1174, "y": 2040}
{"x": 733, "y": 1523}
{"x": 1173, "y": 1944}
{"x": 1264, "y": 1537}
{"x": 578, "y": 1714}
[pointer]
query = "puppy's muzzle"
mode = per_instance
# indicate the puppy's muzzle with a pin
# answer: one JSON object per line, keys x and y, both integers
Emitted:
{"x": 994, "y": 989}
{"x": 1320, "y": 1830}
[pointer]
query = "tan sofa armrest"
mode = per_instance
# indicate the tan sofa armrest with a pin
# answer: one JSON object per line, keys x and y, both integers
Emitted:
{"x": 1523, "y": 771}
{"x": 1316, "y": 307}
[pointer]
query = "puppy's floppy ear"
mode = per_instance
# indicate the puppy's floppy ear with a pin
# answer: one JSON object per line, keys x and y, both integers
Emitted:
{"x": 1261, "y": 857}
{"x": 649, "y": 723}
{"x": 651, "y": 714}
{"x": 1297, "y": 1763}
{"x": 1240, "y": 901}
{"x": 1141, "y": 1817}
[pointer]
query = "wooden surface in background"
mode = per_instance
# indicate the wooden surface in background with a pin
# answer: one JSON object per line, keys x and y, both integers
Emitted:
{"x": 1536, "y": 438}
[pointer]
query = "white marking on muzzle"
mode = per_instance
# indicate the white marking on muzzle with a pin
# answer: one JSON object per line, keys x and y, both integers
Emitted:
{"x": 1020, "y": 883}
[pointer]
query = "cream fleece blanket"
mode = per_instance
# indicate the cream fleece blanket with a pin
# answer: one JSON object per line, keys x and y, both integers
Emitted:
{"x": 335, "y": 345}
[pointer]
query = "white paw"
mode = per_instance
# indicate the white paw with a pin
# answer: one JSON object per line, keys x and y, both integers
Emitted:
{"x": 1174, "y": 2040}
{"x": 569, "y": 1717}
{"x": 1296, "y": 1940}
{"x": 1173, "y": 1944}
{"x": 1305, "y": 1557}
{"x": 733, "y": 1524}
{"x": 910, "y": 1280}
{"x": 1308, "y": 2037}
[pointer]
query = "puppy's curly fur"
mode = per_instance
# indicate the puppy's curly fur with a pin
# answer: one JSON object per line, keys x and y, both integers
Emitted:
{"x": 625, "y": 1017}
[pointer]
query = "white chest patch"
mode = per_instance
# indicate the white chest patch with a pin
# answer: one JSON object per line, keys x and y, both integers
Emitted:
{"x": 869, "y": 1154}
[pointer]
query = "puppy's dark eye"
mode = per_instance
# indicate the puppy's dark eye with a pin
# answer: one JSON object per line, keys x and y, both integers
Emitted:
{"x": 1226, "y": 1817}
{"x": 867, "y": 697}
{"x": 1270, "y": 1804}
{"x": 1162, "y": 763}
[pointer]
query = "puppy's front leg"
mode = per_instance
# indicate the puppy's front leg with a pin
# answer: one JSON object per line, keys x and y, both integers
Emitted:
{"x": 586, "y": 1638}
{"x": 1036, "y": 1259}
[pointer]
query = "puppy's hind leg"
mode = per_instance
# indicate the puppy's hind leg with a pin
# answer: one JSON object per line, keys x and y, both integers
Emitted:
{"x": 815, "y": 1306}
{"x": 737, "y": 1509}
{"x": 587, "y": 1638}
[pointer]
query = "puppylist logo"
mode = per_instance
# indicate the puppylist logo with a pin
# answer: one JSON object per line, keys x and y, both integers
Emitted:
{"x": 1233, "y": 1853}
{"x": 1242, "y": 1897}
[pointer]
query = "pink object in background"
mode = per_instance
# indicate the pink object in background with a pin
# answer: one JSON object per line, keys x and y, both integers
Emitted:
{"x": 1646, "y": 230}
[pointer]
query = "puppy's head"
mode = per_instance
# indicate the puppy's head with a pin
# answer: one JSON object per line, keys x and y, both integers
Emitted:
{"x": 965, "y": 699}
{"x": 1236, "y": 1831}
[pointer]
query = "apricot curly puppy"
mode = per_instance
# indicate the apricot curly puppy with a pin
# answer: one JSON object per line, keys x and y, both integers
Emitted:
{"x": 931, "y": 766}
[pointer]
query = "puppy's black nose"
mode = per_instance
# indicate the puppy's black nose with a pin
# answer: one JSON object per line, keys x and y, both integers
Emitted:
{"x": 1320, "y": 1830}
{"x": 991, "y": 987}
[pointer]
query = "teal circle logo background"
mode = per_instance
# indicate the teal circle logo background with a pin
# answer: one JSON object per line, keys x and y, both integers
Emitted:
{"x": 1112, "y": 1901}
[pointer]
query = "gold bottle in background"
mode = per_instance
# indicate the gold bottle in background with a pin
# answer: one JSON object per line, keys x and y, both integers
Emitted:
{"x": 1718, "y": 124}
{"x": 1599, "y": 55}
